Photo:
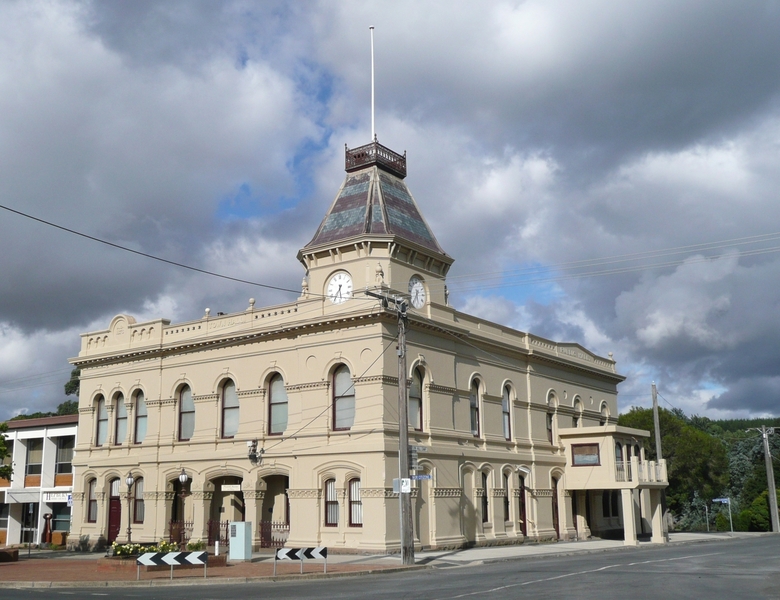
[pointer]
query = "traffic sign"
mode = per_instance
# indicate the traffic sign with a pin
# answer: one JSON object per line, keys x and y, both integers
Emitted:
{"x": 406, "y": 486}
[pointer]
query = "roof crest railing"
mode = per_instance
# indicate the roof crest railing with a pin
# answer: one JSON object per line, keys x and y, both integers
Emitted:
{"x": 375, "y": 154}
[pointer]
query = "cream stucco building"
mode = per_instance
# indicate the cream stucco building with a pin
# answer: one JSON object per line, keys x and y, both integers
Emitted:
{"x": 287, "y": 416}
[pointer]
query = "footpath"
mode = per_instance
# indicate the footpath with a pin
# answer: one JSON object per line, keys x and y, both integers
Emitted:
{"x": 47, "y": 569}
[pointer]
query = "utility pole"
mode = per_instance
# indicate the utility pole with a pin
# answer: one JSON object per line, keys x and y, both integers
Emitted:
{"x": 659, "y": 456}
{"x": 656, "y": 423}
{"x": 770, "y": 475}
{"x": 404, "y": 497}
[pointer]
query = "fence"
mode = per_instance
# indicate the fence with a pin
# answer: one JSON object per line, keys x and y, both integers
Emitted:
{"x": 179, "y": 531}
{"x": 218, "y": 532}
{"x": 273, "y": 534}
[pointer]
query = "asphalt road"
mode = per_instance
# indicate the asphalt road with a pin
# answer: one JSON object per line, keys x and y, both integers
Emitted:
{"x": 733, "y": 569}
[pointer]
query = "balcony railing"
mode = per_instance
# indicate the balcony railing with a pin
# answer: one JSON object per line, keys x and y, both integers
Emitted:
{"x": 646, "y": 472}
{"x": 375, "y": 154}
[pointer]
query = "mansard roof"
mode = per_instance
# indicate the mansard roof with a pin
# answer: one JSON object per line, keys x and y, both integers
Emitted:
{"x": 374, "y": 200}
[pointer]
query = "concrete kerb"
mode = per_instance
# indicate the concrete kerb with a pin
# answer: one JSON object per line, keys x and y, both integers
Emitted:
{"x": 202, "y": 581}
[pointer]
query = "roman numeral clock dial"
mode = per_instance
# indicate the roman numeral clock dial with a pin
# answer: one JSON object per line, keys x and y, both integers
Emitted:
{"x": 340, "y": 288}
{"x": 417, "y": 292}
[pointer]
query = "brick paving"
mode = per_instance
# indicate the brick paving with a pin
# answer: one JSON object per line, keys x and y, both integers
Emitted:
{"x": 70, "y": 570}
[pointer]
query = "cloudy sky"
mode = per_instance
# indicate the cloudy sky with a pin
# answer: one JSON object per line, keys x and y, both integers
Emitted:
{"x": 603, "y": 172}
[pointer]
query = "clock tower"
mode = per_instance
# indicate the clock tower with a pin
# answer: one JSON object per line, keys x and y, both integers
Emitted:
{"x": 374, "y": 237}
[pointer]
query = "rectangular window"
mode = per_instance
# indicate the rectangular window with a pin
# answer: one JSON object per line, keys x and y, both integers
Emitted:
{"x": 4, "y": 516}
{"x": 102, "y": 423}
{"x": 585, "y": 455}
{"x": 506, "y": 497}
{"x": 92, "y": 508}
{"x": 60, "y": 517}
{"x": 485, "y": 500}
{"x": 506, "y": 404}
{"x": 355, "y": 504}
{"x": 331, "y": 504}
{"x": 277, "y": 419}
{"x": 415, "y": 401}
{"x": 140, "y": 417}
{"x": 549, "y": 428}
{"x": 229, "y": 410}
{"x": 120, "y": 432}
{"x": 474, "y": 409}
{"x": 65, "y": 454}
{"x": 343, "y": 400}
{"x": 8, "y": 459}
{"x": 186, "y": 415}
{"x": 34, "y": 457}
{"x": 138, "y": 501}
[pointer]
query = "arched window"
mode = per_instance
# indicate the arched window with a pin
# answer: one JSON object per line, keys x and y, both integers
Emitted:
{"x": 474, "y": 408}
{"x": 577, "y": 417}
{"x": 101, "y": 432}
{"x": 229, "y": 409}
{"x": 355, "y": 504}
{"x": 138, "y": 501}
{"x": 120, "y": 431}
{"x": 638, "y": 453}
{"x": 331, "y": 504}
{"x": 186, "y": 414}
{"x": 92, "y": 506}
{"x": 506, "y": 404}
{"x": 550, "y": 427}
{"x": 415, "y": 400}
{"x": 485, "y": 500}
{"x": 343, "y": 399}
{"x": 140, "y": 417}
{"x": 619, "y": 452}
{"x": 277, "y": 406}
{"x": 604, "y": 414}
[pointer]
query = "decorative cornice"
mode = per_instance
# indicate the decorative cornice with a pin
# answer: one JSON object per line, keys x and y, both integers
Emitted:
{"x": 200, "y": 495}
{"x": 254, "y": 494}
{"x": 248, "y": 393}
{"x": 303, "y": 494}
{"x": 206, "y": 398}
{"x": 538, "y": 493}
{"x": 479, "y": 492}
{"x": 86, "y": 410}
{"x": 78, "y": 496}
{"x": 441, "y": 389}
{"x": 383, "y": 379}
{"x": 312, "y": 385}
{"x": 443, "y": 492}
{"x": 498, "y": 493}
{"x": 376, "y": 493}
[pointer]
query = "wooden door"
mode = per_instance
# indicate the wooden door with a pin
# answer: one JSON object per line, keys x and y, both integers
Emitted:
{"x": 114, "y": 518}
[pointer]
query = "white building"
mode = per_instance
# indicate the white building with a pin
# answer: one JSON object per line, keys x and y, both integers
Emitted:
{"x": 41, "y": 452}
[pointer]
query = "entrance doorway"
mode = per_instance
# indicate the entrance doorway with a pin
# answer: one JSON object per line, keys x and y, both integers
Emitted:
{"x": 114, "y": 511}
{"x": 275, "y": 512}
{"x": 556, "y": 523}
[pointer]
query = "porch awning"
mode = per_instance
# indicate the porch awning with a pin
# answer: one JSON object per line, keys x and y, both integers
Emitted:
{"x": 20, "y": 496}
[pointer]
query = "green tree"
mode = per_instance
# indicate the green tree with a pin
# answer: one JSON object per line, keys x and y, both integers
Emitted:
{"x": 69, "y": 407}
{"x": 5, "y": 470}
{"x": 697, "y": 462}
{"x": 73, "y": 384}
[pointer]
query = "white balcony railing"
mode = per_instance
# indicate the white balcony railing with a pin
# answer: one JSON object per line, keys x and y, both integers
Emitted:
{"x": 646, "y": 472}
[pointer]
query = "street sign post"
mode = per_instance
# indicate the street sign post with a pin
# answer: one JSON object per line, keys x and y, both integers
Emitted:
{"x": 726, "y": 501}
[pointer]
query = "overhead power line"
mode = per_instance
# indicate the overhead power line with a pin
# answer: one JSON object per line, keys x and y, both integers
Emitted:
{"x": 151, "y": 256}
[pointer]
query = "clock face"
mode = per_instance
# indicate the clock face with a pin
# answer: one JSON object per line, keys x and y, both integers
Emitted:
{"x": 340, "y": 287}
{"x": 417, "y": 292}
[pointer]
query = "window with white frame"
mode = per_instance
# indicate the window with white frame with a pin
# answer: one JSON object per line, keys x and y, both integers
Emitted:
{"x": 506, "y": 497}
{"x": 485, "y": 499}
{"x": 230, "y": 409}
{"x": 355, "y": 504}
{"x": 138, "y": 501}
{"x": 506, "y": 411}
{"x": 101, "y": 430}
{"x": 120, "y": 430}
{"x": 186, "y": 414}
{"x": 140, "y": 417}
{"x": 92, "y": 505}
{"x": 415, "y": 400}
{"x": 474, "y": 408}
{"x": 65, "y": 445}
{"x": 331, "y": 504}
{"x": 277, "y": 406}
{"x": 34, "y": 456}
{"x": 343, "y": 399}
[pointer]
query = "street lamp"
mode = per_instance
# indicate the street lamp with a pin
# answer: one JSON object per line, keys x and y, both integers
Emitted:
{"x": 129, "y": 480}
{"x": 183, "y": 479}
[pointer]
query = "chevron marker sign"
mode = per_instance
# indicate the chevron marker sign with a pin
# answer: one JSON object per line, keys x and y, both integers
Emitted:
{"x": 174, "y": 559}
{"x": 317, "y": 553}
{"x": 288, "y": 554}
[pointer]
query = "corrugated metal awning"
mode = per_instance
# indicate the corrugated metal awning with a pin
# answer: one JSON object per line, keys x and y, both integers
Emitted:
{"x": 20, "y": 496}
